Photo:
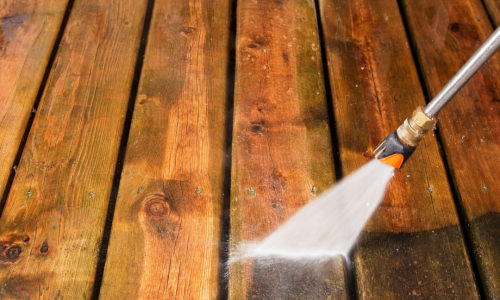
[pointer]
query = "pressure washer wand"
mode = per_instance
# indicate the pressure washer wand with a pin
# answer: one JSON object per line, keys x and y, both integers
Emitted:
{"x": 399, "y": 145}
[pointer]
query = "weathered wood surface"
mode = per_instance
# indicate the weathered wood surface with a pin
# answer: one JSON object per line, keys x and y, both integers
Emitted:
{"x": 446, "y": 34}
{"x": 282, "y": 154}
{"x": 28, "y": 30}
{"x": 167, "y": 223}
{"x": 53, "y": 220}
{"x": 493, "y": 8}
{"x": 413, "y": 245}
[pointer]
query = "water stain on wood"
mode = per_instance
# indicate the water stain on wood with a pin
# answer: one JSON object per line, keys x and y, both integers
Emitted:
{"x": 388, "y": 259}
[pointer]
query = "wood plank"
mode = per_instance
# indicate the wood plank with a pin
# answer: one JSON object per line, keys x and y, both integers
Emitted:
{"x": 446, "y": 33}
{"x": 54, "y": 217}
{"x": 413, "y": 245}
{"x": 493, "y": 8}
{"x": 282, "y": 154}
{"x": 28, "y": 31}
{"x": 167, "y": 223}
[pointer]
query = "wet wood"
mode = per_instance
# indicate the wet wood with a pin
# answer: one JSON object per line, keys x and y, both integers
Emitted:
{"x": 446, "y": 34}
{"x": 167, "y": 223}
{"x": 282, "y": 156}
{"x": 493, "y": 8}
{"x": 413, "y": 245}
{"x": 53, "y": 220}
{"x": 28, "y": 30}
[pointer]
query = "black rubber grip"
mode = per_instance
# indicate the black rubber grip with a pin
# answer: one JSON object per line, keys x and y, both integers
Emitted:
{"x": 392, "y": 146}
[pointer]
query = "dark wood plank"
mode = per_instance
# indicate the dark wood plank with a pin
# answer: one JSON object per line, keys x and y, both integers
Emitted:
{"x": 493, "y": 8}
{"x": 54, "y": 217}
{"x": 282, "y": 154}
{"x": 446, "y": 33}
{"x": 413, "y": 246}
{"x": 167, "y": 223}
{"x": 28, "y": 30}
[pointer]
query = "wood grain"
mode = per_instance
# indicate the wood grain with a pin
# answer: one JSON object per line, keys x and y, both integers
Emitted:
{"x": 28, "y": 30}
{"x": 493, "y": 8}
{"x": 446, "y": 33}
{"x": 282, "y": 154}
{"x": 413, "y": 245}
{"x": 54, "y": 216}
{"x": 167, "y": 223}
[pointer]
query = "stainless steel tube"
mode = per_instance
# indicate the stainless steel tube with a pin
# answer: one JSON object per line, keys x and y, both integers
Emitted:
{"x": 482, "y": 55}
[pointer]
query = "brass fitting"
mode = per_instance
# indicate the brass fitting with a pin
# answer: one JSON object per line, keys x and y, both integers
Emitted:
{"x": 413, "y": 130}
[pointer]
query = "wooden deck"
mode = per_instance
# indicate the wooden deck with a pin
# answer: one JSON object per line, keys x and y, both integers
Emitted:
{"x": 142, "y": 140}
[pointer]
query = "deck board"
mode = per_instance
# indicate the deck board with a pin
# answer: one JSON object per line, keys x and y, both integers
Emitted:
{"x": 413, "y": 245}
{"x": 28, "y": 31}
{"x": 167, "y": 223}
{"x": 54, "y": 216}
{"x": 282, "y": 154}
{"x": 446, "y": 33}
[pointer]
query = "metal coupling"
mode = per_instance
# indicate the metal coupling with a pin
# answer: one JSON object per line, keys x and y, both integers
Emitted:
{"x": 415, "y": 128}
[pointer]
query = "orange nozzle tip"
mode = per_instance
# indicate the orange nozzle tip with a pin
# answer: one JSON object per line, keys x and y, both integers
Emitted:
{"x": 395, "y": 160}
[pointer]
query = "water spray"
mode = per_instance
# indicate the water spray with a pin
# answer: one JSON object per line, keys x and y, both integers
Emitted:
{"x": 399, "y": 145}
{"x": 330, "y": 224}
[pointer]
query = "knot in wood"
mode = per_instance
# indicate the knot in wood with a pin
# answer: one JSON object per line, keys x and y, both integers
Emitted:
{"x": 188, "y": 30}
{"x": 157, "y": 207}
{"x": 13, "y": 252}
{"x": 18, "y": 20}
{"x": 253, "y": 45}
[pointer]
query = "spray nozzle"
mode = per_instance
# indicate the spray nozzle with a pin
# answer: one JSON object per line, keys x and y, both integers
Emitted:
{"x": 398, "y": 146}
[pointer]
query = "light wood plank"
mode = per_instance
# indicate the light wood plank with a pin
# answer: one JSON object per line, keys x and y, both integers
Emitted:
{"x": 446, "y": 33}
{"x": 167, "y": 223}
{"x": 413, "y": 246}
{"x": 28, "y": 31}
{"x": 54, "y": 217}
{"x": 282, "y": 154}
